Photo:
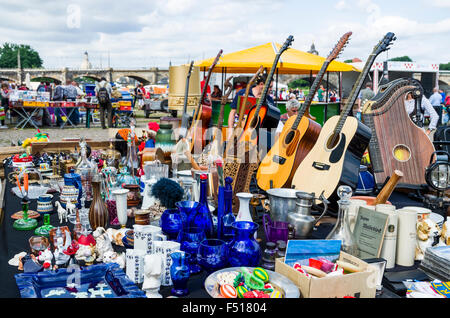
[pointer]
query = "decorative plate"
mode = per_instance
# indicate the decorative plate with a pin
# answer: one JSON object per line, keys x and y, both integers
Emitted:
{"x": 31, "y": 215}
{"x": 288, "y": 288}
{"x": 95, "y": 281}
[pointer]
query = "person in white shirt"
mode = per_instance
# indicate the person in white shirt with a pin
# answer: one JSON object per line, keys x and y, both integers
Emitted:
{"x": 436, "y": 98}
{"x": 426, "y": 105}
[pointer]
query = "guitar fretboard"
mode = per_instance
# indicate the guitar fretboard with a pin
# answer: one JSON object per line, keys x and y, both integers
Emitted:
{"x": 374, "y": 146}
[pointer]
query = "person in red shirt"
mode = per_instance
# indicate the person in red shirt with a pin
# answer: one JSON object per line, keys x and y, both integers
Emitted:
{"x": 208, "y": 89}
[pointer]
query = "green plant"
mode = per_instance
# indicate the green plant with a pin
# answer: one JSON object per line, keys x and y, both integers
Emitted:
{"x": 29, "y": 58}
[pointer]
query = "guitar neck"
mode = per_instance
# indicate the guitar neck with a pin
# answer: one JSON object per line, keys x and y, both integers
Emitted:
{"x": 308, "y": 100}
{"x": 354, "y": 93}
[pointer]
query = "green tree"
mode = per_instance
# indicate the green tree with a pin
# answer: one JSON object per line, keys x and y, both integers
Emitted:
{"x": 299, "y": 82}
{"x": 401, "y": 59}
{"x": 29, "y": 58}
{"x": 348, "y": 61}
{"x": 445, "y": 67}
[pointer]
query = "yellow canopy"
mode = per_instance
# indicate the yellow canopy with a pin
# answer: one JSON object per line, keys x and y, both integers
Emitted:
{"x": 292, "y": 61}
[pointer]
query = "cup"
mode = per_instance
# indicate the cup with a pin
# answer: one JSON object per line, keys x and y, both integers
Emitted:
{"x": 165, "y": 248}
{"x": 212, "y": 255}
{"x": 275, "y": 230}
{"x": 145, "y": 235}
{"x": 406, "y": 237}
{"x": 388, "y": 250}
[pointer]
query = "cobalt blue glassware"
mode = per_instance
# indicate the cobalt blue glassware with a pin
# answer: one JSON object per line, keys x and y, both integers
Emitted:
{"x": 171, "y": 223}
{"x": 228, "y": 219}
{"x": 190, "y": 239}
{"x": 204, "y": 207}
{"x": 194, "y": 215}
{"x": 212, "y": 255}
{"x": 179, "y": 272}
{"x": 244, "y": 250}
{"x": 366, "y": 181}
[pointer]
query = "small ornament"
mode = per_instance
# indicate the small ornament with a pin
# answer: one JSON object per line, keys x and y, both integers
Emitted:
{"x": 261, "y": 274}
{"x": 276, "y": 294}
{"x": 228, "y": 291}
{"x": 241, "y": 290}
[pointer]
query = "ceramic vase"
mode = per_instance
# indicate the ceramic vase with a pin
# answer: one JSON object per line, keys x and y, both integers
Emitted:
{"x": 244, "y": 207}
{"x": 190, "y": 239}
{"x": 179, "y": 271}
{"x": 165, "y": 248}
{"x": 171, "y": 223}
{"x": 98, "y": 212}
{"x": 121, "y": 205}
{"x": 406, "y": 237}
{"x": 135, "y": 265}
{"x": 145, "y": 236}
{"x": 244, "y": 250}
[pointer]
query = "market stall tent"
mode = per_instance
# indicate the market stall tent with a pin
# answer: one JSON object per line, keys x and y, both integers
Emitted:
{"x": 292, "y": 61}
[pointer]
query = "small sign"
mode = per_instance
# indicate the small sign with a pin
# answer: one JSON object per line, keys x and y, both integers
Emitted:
{"x": 369, "y": 232}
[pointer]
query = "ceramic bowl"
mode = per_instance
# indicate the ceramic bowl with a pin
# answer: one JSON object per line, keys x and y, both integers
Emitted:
{"x": 128, "y": 239}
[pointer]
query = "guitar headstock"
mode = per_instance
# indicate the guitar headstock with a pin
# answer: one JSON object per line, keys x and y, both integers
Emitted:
{"x": 227, "y": 83}
{"x": 286, "y": 44}
{"x": 339, "y": 47}
{"x": 383, "y": 45}
{"x": 216, "y": 60}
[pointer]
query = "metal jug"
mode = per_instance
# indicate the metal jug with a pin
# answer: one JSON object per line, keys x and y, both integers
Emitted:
{"x": 281, "y": 201}
{"x": 301, "y": 218}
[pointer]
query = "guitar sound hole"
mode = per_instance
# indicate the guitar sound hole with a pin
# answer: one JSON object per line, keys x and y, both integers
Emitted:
{"x": 333, "y": 143}
{"x": 401, "y": 153}
{"x": 254, "y": 123}
{"x": 289, "y": 137}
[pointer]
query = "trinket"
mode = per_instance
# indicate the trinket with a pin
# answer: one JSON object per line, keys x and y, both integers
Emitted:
{"x": 276, "y": 294}
{"x": 241, "y": 290}
{"x": 261, "y": 274}
{"x": 228, "y": 291}
{"x": 152, "y": 275}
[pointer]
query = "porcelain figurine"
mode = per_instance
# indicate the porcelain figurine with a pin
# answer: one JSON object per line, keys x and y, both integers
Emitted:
{"x": 103, "y": 243}
{"x": 71, "y": 209}
{"x": 86, "y": 253}
{"x": 45, "y": 256}
{"x": 152, "y": 275}
{"x": 62, "y": 213}
{"x": 113, "y": 257}
{"x": 116, "y": 236}
{"x": 61, "y": 245}
{"x": 445, "y": 234}
{"x": 427, "y": 232}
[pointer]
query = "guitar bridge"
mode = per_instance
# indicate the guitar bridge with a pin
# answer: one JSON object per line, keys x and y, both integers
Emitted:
{"x": 279, "y": 160}
{"x": 320, "y": 166}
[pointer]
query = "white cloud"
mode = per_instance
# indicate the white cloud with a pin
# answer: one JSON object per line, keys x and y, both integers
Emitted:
{"x": 341, "y": 5}
{"x": 441, "y": 3}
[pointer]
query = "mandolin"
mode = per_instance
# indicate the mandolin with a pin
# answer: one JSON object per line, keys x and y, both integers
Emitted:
{"x": 397, "y": 143}
{"x": 335, "y": 158}
{"x": 263, "y": 116}
{"x": 237, "y": 131}
{"x": 297, "y": 138}
{"x": 202, "y": 115}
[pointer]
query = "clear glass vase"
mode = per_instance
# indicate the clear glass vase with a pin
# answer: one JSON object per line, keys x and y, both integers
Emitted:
{"x": 86, "y": 169}
{"x": 341, "y": 230}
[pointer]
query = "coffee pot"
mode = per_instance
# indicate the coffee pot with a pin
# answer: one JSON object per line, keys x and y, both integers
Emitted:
{"x": 301, "y": 218}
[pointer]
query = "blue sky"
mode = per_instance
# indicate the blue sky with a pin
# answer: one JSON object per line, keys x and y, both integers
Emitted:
{"x": 138, "y": 33}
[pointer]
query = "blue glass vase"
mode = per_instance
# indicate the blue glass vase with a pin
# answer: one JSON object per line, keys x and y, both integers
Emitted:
{"x": 204, "y": 207}
{"x": 171, "y": 223}
{"x": 212, "y": 255}
{"x": 228, "y": 219}
{"x": 190, "y": 239}
{"x": 179, "y": 272}
{"x": 244, "y": 250}
{"x": 194, "y": 215}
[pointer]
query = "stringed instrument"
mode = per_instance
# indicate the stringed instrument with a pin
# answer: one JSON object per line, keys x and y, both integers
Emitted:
{"x": 297, "y": 138}
{"x": 202, "y": 115}
{"x": 215, "y": 147}
{"x": 335, "y": 158}
{"x": 185, "y": 116}
{"x": 231, "y": 147}
{"x": 264, "y": 115}
{"x": 397, "y": 143}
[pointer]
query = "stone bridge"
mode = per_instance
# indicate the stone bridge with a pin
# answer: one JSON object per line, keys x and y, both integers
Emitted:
{"x": 143, "y": 75}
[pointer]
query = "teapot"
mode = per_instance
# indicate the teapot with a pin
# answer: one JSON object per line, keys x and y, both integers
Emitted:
{"x": 301, "y": 219}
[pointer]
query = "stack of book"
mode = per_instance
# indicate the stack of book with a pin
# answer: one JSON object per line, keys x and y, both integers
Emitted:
{"x": 436, "y": 262}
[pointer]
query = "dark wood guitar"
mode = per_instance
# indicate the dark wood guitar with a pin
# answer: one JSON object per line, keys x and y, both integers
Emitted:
{"x": 264, "y": 115}
{"x": 397, "y": 143}
{"x": 297, "y": 138}
{"x": 202, "y": 116}
{"x": 185, "y": 116}
{"x": 335, "y": 158}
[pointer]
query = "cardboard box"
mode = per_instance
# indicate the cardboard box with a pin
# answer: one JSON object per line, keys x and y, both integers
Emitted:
{"x": 359, "y": 285}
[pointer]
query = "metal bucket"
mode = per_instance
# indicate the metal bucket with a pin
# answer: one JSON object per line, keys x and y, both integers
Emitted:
{"x": 282, "y": 201}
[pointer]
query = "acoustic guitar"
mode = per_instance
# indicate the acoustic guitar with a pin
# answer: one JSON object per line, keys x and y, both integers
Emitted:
{"x": 397, "y": 143}
{"x": 202, "y": 115}
{"x": 185, "y": 116}
{"x": 263, "y": 116}
{"x": 231, "y": 148}
{"x": 335, "y": 158}
{"x": 297, "y": 138}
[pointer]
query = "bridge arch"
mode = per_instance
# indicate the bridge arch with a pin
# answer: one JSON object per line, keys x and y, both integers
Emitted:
{"x": 5, "y": 78}
{"x": 135, "y": 77}
{"x": 45, "y": 79}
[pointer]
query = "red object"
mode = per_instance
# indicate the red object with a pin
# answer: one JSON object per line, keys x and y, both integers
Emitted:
{"x": 208, "y": 89}
{"x": 203, "y": 177}
{"x": 349, "y": 297}
{"x": 153, "y": 126}
{"x": 256, "y": 294}
{"x": 17, "y": 158}
{"x": 315, "y": 263}
{"x": 86, "y": 240}
{"x": 72, "y": 249}
{"x": 141, "y": 146}
{"x": 46, "y": 265}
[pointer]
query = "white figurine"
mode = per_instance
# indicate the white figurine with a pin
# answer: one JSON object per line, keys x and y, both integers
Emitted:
{"x": 427, "y": 231}
{"x": 113, "y": 257}
{"x": 152, "y": 275}
{"x": 445, "y": 235}
{"x": 103, "y": 243}
{"x": 45, "y": 256}
{"x": 62, "y": 213}
{"x": 71, "y": 208}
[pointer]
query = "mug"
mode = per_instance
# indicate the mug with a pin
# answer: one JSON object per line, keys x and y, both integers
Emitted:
{"x": 275, "y": 230}
{"x": 145, "y": 235}
{"x": 135, "y": 265}
{"x": 165, "y": 248}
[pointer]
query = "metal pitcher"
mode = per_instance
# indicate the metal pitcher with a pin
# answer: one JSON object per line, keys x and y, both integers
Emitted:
{"x": 281, "y": 201}
{"x": 301, "y": 218}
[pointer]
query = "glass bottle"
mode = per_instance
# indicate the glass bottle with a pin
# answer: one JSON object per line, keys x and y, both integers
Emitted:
{"x": 132, "y": 161}
{"x": 204, "y": 207}
{"x": 269, "y": 255}
{"x": 281, "y": 249}
{"x": 228, "y": 217}
{"x": 86, "y": 169}
{"x": 341, "y": 230}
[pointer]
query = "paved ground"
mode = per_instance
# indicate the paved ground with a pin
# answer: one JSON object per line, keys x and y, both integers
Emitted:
{"x": 11, "y": 136}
